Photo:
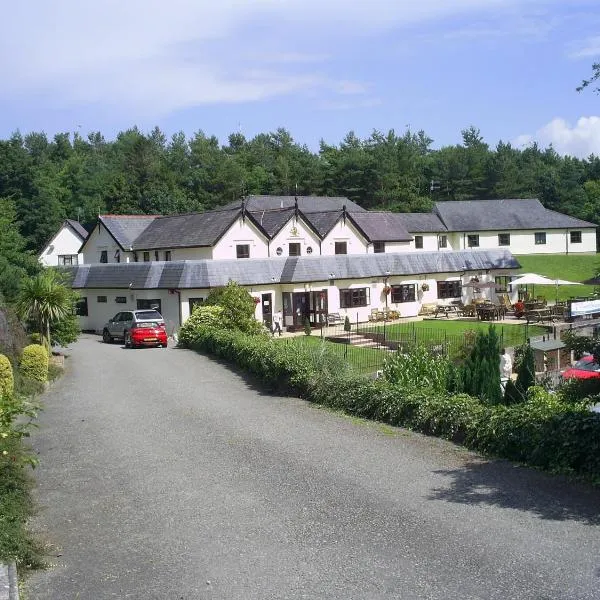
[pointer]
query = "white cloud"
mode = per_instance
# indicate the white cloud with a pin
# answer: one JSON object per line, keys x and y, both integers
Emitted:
{"x": 588, "y": 48}
{"x": 150, "y": 57}
{"x": 579, "y": 140}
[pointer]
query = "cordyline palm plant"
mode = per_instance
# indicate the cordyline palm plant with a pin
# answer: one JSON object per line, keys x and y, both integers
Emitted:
{"x": 44, "y": 299}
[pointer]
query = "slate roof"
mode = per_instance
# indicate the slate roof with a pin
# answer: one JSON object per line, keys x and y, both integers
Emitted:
{"x": 307, "y": 204}
{"x": 422, "y": 222}
{"x": 273, "y": 220}
{"x": 323, "y": 222}
{"x": 78, "y": 228}
{"x": 485, "y": 215}
{"x": 202, "y": 274}
{"x": 186, "y": 230}
{"x": 381, "y": 226}
{"x": 126, "y": 228}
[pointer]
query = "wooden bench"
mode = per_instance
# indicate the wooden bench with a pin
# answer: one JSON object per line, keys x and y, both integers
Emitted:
{"x": 334, "y": 319}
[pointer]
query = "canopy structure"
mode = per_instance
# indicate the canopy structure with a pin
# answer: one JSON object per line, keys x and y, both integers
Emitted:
{"x": 535, "y": 279}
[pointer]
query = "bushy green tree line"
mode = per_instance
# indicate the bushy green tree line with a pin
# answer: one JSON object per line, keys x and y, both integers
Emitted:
{"x": 43, "y": 181}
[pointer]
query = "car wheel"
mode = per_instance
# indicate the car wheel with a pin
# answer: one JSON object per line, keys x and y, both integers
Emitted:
{"x": 106, "y": 337}
{"x": 127, "y": 340}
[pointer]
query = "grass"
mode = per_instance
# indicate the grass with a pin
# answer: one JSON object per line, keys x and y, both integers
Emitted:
{"x": 572, "y": 267}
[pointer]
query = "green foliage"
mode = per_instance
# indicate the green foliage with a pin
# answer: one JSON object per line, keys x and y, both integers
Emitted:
{"x": 347, "y": 326}
{"x": 34, "y": 363}
{"x": 7, "y": 380}
{"x": 45, "y": 300}
{"x": 65, "y": 331}
{"x": 525, "y": 371}
{"x": 307, "y": 329}
{"x": 480, "y": 373}
{"x": 578, "y": 344}
{"x": 418, "y": 369}
{"x": 580, "y": 390}
{"x": 203, "y": 316}
{"x": 238, "y": 307}
{"x": 542, "y": 431}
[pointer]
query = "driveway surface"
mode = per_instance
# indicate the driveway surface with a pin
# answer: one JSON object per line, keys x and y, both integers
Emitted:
{"x": 166, "y": 475}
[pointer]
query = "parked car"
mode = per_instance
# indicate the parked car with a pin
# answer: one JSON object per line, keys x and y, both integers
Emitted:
{"x": 585, "y": 368}
{"x": 136, "y": 328}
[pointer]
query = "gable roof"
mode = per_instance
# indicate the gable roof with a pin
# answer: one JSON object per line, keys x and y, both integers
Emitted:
{"x": 422, "y": 222}
{"x": 202, "y": 274}
{"x": 307, "y": 204}
{"x": 381, "y": 226}
{"x": 323, "y": 222}
{"x": 78, "y": 229}
{"x": 126, "y": 228}
{"x": 486, "y": 215}
{"x": 187, "y": 230}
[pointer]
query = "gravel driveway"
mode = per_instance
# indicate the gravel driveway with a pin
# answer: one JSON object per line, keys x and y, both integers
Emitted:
{"x": 166, "y": 475}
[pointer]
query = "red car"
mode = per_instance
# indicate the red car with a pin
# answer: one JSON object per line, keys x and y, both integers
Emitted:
{"x": 584, "y": 368}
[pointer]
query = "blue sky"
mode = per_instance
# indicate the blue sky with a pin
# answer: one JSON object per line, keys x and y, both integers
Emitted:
{"x": 319, "y": 68}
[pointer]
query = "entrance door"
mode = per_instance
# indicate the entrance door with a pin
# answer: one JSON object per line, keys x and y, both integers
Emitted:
{"x": 319, "y": 307}
{"x": 301, "y": 307}
{"x": 267, "y": 310}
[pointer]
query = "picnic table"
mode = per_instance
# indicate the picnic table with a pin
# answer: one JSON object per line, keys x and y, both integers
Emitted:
{"x": 445, "y": 310}
{"x": 490, "y": 312}
{"x": 539, "y": 315}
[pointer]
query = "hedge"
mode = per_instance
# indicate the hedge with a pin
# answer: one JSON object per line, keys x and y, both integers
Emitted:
{"x": 34, "y": 363}
{"x": 7, "y": 381}
{"x": 543, "y": 431}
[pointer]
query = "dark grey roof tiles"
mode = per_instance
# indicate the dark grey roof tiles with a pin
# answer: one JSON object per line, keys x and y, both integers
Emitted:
{"x": 422, "y": 222}
{"x": 486, "y": 215}
{"x": 306, "y": 204}
{"x": 202, "y": 274}
{"x": 78, "y": 228}
{"x": 187, "y": 230}
{"x": 382, "y": 226}
{"x": 323, "y": 222}
{"x": 126, "y": 228}
{"x": 273, "y": 220}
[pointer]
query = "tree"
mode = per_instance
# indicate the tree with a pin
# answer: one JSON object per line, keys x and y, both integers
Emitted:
{"x": 45, "y": 300}
{"x": 238, "y": 307}
{"x": 595, "y": 77}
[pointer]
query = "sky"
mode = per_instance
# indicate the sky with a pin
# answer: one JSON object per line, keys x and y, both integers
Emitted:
{"x": 319, "y": 68}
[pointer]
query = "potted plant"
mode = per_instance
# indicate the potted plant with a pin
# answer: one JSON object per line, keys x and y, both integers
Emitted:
{"x": 425, "y": 287}
{"x": 256, "y": 300}
{"x": 387, "y": 289}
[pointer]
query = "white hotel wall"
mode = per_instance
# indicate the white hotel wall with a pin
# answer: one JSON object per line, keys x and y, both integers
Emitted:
{"x": 64, "y": 242}
{"x": 304, "y": 236}
{"x": 523, "y": 242}
{"x": 241, "y": 232}
{"x": 341, "y": 232}
{"x": 99, "y": 240}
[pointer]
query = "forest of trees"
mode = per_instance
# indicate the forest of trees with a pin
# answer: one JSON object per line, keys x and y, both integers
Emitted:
{"x": 43, "y": 181}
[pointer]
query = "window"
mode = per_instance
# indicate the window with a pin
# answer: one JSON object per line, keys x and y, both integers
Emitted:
{"x": 575, "y": 238}
{"x": 149, "y": 304}
{"x": 473, "y": 240}
{"x": 294, "y": 249}
{"x": 449, "y": 289}
{"x": 502, "y": 281}
{"x": 156, "y": 255}
{"x": 378, "y": 247}
{"x": 308, "y": 249}
{"x": 355, "y": 297}
{"x": 419, "y": 241}
{"x": 341, "y": 247}
{"x": 242, "y": 250}
{"x": 101, "y": 299}
{"x": 146, "y": 256}
{"x": 504, "y": 239}
{"x": 121, "y": 300}
{"x": 104, "y": 256}
{"x": 81, "y": 307}
{"x": 68, "y": 260}
{"x": 194, "y": 303}
{"x": 403, "y": 293}
{"x": 540, "y": 238}
{"x": 279, "y": 251}
{"x": 443, "y": 241}
{"x": 167, "y": 255}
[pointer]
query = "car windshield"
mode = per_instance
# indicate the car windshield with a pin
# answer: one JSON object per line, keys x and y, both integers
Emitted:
{"x": 146, "y": 315}
{"x": 586, "y": 365}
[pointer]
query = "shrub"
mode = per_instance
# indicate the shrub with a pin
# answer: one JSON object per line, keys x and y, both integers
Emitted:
{"x": 347, "y": 326}
{"x": 203, "y": 316}
{"x": 307, "y": 329}
{"x": 34, "y": 363}
{"x": 542, "y": 431}
{"x": 7, "y": 380}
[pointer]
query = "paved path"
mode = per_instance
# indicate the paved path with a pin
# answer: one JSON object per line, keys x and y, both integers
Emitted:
{"x": 164, "y": 475}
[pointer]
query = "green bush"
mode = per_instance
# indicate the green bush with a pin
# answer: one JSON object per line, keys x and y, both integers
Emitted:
{"x": 543, "y": 431}
{"x": 7, "y": 380}
{"x": 34, "y": 363}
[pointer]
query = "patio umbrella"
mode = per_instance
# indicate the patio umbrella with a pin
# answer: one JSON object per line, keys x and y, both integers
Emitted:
{"x": 535, "y": 279}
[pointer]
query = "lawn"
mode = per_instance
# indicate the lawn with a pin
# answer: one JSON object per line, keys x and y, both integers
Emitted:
{"x": 572, "y": 267}
{"x": 438, "y": 331}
